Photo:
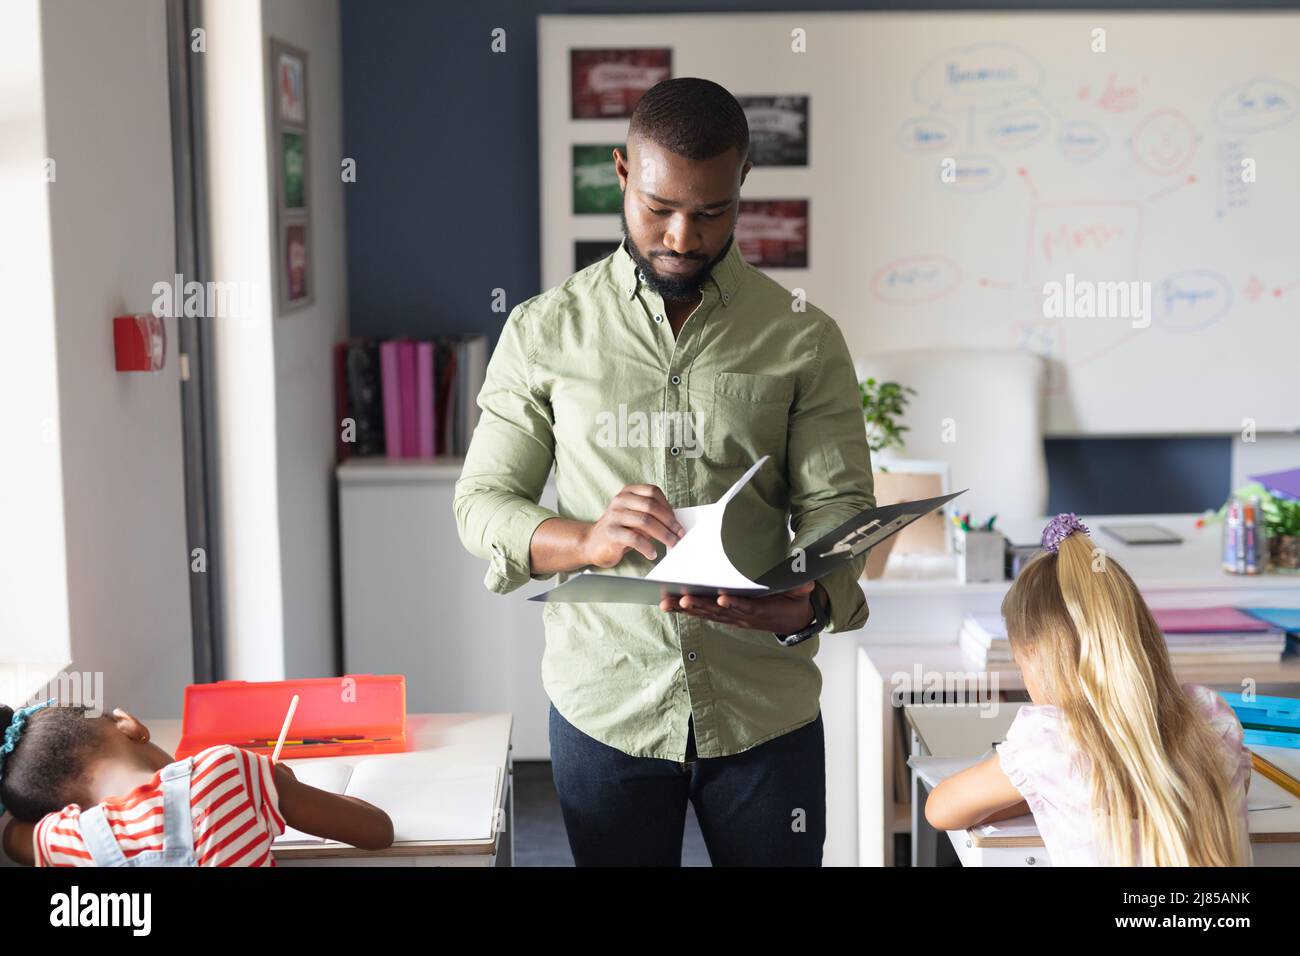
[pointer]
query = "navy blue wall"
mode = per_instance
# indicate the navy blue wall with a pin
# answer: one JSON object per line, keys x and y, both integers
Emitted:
{"x": 446, "y": 206}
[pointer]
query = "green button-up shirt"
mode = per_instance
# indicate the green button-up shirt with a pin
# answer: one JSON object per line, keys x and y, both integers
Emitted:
{"x": 588, "y": 377}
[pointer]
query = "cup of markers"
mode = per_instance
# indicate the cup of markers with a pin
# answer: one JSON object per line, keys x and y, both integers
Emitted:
{"x": 980, "y": 550}
{"x": 1245, "y": 544}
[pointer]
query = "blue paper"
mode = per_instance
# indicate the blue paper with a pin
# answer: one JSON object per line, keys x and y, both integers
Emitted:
{"x": 1286, "y": 618}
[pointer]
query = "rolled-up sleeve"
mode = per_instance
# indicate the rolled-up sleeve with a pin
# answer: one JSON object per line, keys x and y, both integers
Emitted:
{"x": 830, "y": 468}
{"x": 509, "y": 458}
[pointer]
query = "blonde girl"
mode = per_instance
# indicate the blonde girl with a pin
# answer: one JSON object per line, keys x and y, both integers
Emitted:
{"x": 1119, "y": 763}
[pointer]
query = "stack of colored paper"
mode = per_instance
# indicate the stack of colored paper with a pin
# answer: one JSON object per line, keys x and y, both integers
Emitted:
{"x": 1218, "y": 635}
{"x": 1194, "y": 636}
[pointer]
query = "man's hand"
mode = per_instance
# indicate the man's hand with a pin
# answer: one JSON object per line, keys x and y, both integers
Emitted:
{"x": 636, "y": 518}
{"x": 782, "y": 613}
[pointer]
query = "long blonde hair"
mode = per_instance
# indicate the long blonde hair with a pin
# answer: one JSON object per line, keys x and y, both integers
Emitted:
{"x": 1103, "y": 662}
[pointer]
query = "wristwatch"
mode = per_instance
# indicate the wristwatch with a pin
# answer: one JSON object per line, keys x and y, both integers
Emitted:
{"x": 821, "y": 617}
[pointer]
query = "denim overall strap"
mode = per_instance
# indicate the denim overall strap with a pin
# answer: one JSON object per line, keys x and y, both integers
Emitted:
{"x": 178, "y": 816}
{"x": 99, "y": 839}
{"x": 178, "y": 826}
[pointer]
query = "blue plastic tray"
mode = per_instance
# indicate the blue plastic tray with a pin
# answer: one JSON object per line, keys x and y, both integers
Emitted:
{"x": 1281, "y": 712}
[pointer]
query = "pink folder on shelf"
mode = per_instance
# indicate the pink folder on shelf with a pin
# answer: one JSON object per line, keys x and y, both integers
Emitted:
{"x": 390, "y": 386}
{"x": 424, "y": 397}
{"x": 1206, "y": 620}
{"x": 410, "y": 423}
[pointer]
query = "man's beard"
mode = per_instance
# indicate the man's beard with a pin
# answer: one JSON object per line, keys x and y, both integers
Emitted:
{"x": 671, "y": 288}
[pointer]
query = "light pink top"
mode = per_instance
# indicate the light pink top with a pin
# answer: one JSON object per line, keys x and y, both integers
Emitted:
{"x": 1054, "y": 777}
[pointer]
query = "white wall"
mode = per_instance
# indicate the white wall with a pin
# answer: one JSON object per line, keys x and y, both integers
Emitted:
{"x": 240, "y": 218}
{"x": 34, "y": 627}
{"x": 1267, "y": 453}
{"x": 108, "y": 127}
{"x": 304, "y": 341}
{"x": 274, "y": 388}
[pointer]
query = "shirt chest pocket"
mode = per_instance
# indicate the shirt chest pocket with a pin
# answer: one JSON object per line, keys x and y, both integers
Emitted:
{"x": 751, "y": 415}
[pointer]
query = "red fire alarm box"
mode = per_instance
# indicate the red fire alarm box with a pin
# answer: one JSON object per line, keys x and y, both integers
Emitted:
{"x": 353, "y": 714}
{"x": 140, "y": 342}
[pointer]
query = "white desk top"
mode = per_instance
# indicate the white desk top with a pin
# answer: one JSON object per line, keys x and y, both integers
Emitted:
{"x": 1193, "y": 564}
{"x": 960, "y": 730}
{"x": 957, "y": 730}
{"x": 450, "y": 740}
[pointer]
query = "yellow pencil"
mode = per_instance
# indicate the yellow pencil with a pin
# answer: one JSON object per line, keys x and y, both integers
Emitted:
{"x": 1275, "y": 773}
{"x": 284, "y": 731}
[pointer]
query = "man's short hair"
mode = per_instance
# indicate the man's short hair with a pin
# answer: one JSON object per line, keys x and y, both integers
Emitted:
{"x": 692, "y": 117}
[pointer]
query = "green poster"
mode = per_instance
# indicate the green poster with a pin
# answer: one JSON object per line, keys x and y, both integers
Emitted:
{"x": 595, "y": 184}
{"x": 293, "y": 150}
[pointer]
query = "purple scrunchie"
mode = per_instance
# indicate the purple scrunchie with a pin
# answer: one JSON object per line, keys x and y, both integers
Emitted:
{"x": 1060, "y": 528}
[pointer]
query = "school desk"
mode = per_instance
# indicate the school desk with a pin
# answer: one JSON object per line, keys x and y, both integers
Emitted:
{"x": 959, "y": 730}
{"x": 439, "y": 742}
{"x": 917, "y": 610}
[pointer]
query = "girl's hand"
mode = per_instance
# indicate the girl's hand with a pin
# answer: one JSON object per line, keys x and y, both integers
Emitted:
{"x": 332, "y": 815}
{"x": 973, "y": 796}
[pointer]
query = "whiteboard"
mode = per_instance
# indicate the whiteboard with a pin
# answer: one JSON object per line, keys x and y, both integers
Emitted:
{"x": 1124, "y": 166}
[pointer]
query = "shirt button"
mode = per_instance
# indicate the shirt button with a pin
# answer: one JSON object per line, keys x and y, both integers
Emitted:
{"x": 659, "y": 318}
{"x": 690, "y": 656}
{"x": 726, "y": 297}
{"x": 674, "y": 450}
{"x": 676, "y": 380}
{"x": 641, "y": 276}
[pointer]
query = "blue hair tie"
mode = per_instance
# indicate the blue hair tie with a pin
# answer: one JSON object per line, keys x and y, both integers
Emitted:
{"x": 15, "y": 730}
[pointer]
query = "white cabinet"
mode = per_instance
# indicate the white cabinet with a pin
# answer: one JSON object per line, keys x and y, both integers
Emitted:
{"x": 414, "y": 601}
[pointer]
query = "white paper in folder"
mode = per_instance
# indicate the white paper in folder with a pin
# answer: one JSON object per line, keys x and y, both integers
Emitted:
{"x": 426, "y": 802}
{"x": 699, "y": 557}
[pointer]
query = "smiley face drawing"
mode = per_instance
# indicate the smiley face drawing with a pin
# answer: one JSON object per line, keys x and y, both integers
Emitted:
{"x": 1164, "y": 142}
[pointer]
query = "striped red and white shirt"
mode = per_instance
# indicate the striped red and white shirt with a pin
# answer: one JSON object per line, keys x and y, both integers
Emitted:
{"x": 233, "y": 801}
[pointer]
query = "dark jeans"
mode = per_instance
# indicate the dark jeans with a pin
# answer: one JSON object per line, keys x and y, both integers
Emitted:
{"x": 763, "y": 807}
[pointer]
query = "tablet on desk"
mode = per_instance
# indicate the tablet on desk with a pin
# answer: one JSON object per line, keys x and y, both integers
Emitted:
{"x": 1141, "y": 533}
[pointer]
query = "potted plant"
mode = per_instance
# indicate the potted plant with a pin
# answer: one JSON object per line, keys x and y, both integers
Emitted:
{"x": 1282, "y": 523}
{"x": 883, "y": 405}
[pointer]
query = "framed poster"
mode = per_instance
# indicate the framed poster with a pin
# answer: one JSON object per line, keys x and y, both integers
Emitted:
{"x": 295, "y": 264}
{"x": 778, "y": 129}
{"x": 293, "y": 157}
{"x": 588, "y": 251}
{"x": 291, "y": 160}
{"x": 773, "y": 233}
{"x": 595, "y": 183}
{"x": 290, "y": 83}
{"x": 607, "y": 83}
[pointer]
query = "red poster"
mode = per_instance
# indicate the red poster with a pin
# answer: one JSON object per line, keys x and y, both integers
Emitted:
{"x": 773, "y": 233}
{"x": 606, "y": 84}
{"x": 296, "y": 262}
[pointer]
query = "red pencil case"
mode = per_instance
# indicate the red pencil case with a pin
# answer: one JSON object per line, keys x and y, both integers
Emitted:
{"x": 353, "y": 714}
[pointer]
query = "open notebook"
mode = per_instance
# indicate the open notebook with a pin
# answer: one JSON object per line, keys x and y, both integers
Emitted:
{"x": 428, "y": 802}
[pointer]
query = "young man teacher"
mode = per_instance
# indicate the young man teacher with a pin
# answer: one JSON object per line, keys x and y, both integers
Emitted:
{"x": 695, "y": 699}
